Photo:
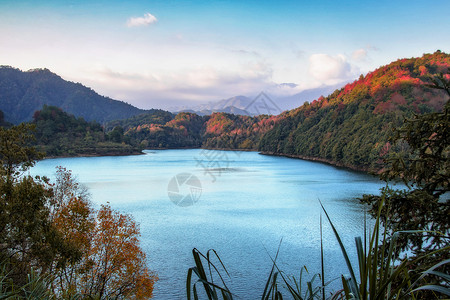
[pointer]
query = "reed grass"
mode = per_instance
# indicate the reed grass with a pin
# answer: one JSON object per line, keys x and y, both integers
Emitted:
{"x": 382, "y": 275}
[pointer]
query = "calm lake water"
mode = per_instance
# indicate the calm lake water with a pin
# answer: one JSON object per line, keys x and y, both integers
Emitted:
{"x": 242, "y": 204}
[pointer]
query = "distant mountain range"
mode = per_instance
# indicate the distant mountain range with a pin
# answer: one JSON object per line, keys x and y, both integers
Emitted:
{"x": 23, "y": 93}
{"x": 236, "y": 105}
{"x": 243, "y": 105}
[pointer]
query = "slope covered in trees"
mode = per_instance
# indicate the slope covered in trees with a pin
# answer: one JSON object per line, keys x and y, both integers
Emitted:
{"x": 61, "y": 134}
{"x": 152, "y": 116}
{"x": 352, "y": 126}
{"x": 23, "y": 93}
{"x": 217, "y": 131}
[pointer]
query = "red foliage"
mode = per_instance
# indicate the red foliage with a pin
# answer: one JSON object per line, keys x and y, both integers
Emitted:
{"x": 218, "y": 123}
{"x": 383, "y": 107}
{"x": 385, "y": 150}
{"x": 423, "y": 70}
{"x": 398, "y": 99}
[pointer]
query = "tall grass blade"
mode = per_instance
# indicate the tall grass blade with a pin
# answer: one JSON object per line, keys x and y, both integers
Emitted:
{"x": 435, "y": 288}
{"x": 188, "y": 283}
{"x": 200, "y": 271}
{"x": 321, "y": 259}
{"x": 431, "y": 271}
{"x": 363, "y": 260}
{"x": 344, "y": 252}
{"x": 209, "y": 286}
{"x": 346, "y": 284}
{"x": 439, "y": 274}
{"x": 270, "y": 284}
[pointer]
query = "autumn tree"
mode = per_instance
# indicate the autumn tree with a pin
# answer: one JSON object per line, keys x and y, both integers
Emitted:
{"x": 27, "y": 237}
{"x": 72, "y": 215}
{"x": 118, "y": 269}
{"x": 112, "y": 264}
{"x": 52, "y": 230}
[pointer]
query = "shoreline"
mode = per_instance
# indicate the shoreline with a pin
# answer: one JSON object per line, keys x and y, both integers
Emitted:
{"x": 295, "y": 156}
{"x": 94, "y": 155}
{"x": 321, "y": 160}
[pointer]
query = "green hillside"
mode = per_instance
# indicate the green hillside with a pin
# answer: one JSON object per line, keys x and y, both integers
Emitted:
{"x": 61, "y": 134}
{"x": 352, "y": 126}
{"x": 23, "y": 93}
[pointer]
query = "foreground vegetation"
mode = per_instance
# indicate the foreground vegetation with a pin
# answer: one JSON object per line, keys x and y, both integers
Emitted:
{"x": 381, "y": 274}
{"x": 54, "y": 243}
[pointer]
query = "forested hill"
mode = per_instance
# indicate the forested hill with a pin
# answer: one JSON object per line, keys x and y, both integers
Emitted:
{"x": 23, "y": 93}
{"x": 351, "y": 127}
{"x": 61, "y": 134}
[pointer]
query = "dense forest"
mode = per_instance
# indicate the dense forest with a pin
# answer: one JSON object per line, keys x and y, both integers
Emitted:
{"x": 217, "y": 131}
{"x": 61, "y": 134}
{"x": 351, "y": 127}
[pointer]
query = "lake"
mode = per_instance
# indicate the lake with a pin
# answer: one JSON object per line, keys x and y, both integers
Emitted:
{"x": 242, "y": 204}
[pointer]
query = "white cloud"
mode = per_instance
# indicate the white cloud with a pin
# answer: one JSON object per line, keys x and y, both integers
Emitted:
{"x": 162, "y": 88}
{"x": 146, "y": 20}
{"x": 330, "y": 69}
{"x": 359, "y": 55}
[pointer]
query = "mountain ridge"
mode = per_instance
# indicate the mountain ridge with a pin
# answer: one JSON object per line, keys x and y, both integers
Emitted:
{"x": 352, "y": 126}
{"x": 24, "y": 92}
{"x": 241, "y": 104}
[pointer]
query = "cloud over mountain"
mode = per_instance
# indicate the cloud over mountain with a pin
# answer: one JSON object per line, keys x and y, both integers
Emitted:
{"x": 330, "y": 69}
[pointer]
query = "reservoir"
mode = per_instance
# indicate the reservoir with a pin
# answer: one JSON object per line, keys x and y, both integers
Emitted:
{"x": 241, "y": 204}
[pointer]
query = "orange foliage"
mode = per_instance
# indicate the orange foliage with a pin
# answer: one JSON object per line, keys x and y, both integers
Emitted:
{"x": 117, "y": 262}
{"x": 218, "y": 123}
{"x": 423, "y": 70}
{"x": 111, "y": 263}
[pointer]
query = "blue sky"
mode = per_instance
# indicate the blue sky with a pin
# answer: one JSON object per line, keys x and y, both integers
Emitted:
{"x": 158, "y": 54}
